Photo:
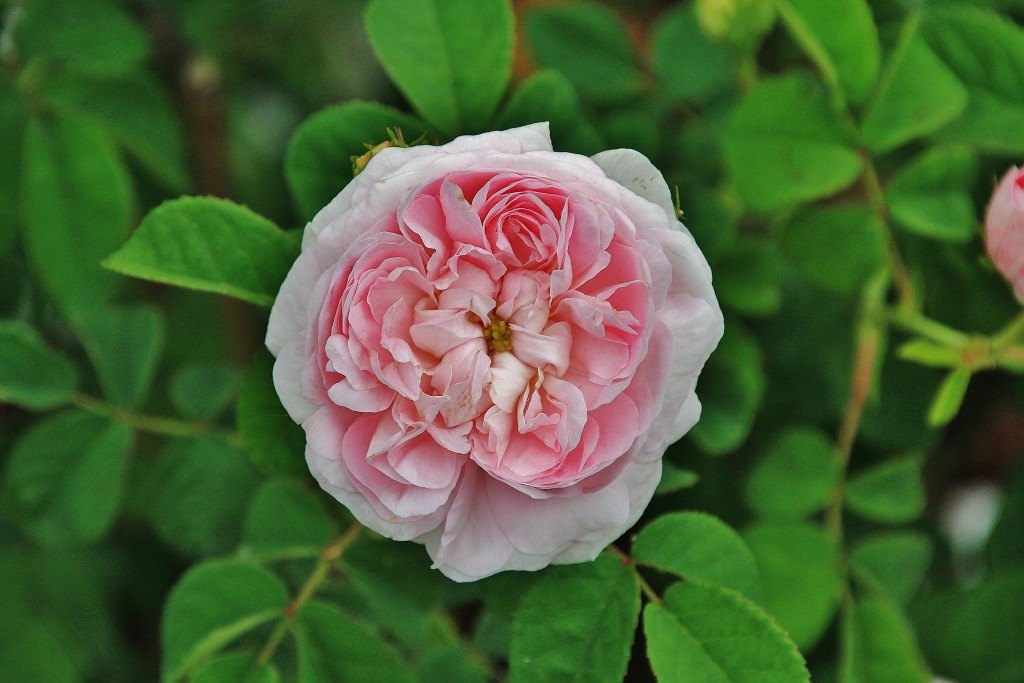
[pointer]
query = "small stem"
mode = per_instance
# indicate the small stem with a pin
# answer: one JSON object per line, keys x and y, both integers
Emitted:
{"x": 926, "y": 327}
{"x": 1009, "y": 334}
{"x": 164, "y": 426}
{"x": 878, "y": 203}
{"x": 645, "y": 587}
{"x": 328, "y": 557}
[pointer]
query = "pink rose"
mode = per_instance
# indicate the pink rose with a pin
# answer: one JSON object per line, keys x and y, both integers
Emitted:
{"x": 1004, "y": 229}
{"x": 490, "y": 344}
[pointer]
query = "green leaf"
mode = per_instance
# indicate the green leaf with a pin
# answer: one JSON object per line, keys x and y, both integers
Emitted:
{"x": 891, "y": 492}
{"x": 799, "y": 567}
{"x": 87, "y": 35}
{"x": 949, "y": 397}
{"x": 917, "y": 94}
{"x": 273, "y": 442}
{"x": 237, "y": 667}
{"x": 986, "y": 53}
{"x": 318, "y": 164}
{"x": 32, "y": 374}
{"x": 576, "y": 624}
{"x": 285, "y": 519}
{"x": 748, "y": 277}
{"x": 211, "y": 245}
{"x": 840, "y": 37}
{"x": 931, "y": 195}
{"x": 1006, "y": 543}
{"x": 837, "y": 247}
{"x": 588, "y": 43}
{"x": 332, "y": 647}
{"x": 71, "y": 220}
{"x": 925, "y": 352}
{"x": 450, "y": 664}
{"x": 451, "y": 58}
{"x": 12, "y": 129}
{"x": 35, "y": 655}
{"x": 124, "y": 345}
{"x": 64, "y": 477}
{"x": 784, "y": 145}
{"x": 878, "y": 645}
{"x": 897, "y": 560}
{"x": 202, "y": 390}
{"x": 731, "y": 386}
{"x": 136, "y": 111}
{"x": 708, "y": 633}
{"x": 795, "y": 476}
{"x": 198, "y": 491}
{"x": 212, "y": 605}
{"x": 675, "y": 479}
{"x": 690, "y": 66}
{"x": 699, "y": 547}
{"x": 548, "y": 96}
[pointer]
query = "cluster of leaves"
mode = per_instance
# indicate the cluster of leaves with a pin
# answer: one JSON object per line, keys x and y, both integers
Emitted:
{"x": 833, "y": 158}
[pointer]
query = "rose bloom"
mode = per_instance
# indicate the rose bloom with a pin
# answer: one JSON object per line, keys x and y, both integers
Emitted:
{"x": 490, "y": 344}
{"x": 1004, "y": 229}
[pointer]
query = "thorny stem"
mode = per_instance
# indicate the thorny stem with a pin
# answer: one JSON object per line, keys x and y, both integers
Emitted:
{"x": 323, "y": 566}
{"x": 645, "y": 587}
{"x": 164, "y": 426}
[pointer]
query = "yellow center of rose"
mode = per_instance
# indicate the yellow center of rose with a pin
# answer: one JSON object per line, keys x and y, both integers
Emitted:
{"x": 498, "y": 336}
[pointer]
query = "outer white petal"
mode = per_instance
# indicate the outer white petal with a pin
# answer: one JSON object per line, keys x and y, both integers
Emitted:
{"x": 634, "y": 171}
{"x": 288, "y": 369}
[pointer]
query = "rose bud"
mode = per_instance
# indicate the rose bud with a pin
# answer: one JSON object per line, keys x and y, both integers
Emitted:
{"x": 1004, "y": 229}
{"x": 490, "y": 345}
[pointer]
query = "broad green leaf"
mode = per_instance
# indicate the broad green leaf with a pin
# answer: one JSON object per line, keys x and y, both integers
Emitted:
{"x": 215, "y": 603}
{"x": 198, "y": 491}
{"x": 576, "y": 624}
{"x": 12, "y": 128}
{"x": 712, "y": 635}
{"x": 784, "y": 145}
{"x": 237, "y": 667}
{"x": 690, "y": 66}
{"x": 840, "y": 37}
{"x": 931, "y": 195}
{"x": 548, "y": 96}
{"x": 32, "y": 374}
{"x": 87, "y": 35}
{"x": 917, "y": 94}
{"x": 35, "y": 655}
{"x": 799, "y": 567}
{"x": 136, "y": 111}
{"x": 878, "y": 645}
{"x": 891, "y": 492}
{"x": 285, "y": 519}
{"x": 333, "y": 647}
{"x": 202, "y": 390}
{"x": 795, "y": 476}
{"x": 675, "y": 479}
{"x": 398, "y": 585}
{"x": 273, "y": 442}
{"x": 748, "y": 277}
{"x": 986, "y": 53}
{"x": 451, "y": 58}
{"x": 318, "y": 164}
{"x": 65, "y": 475}
{"x": 450, "y": 664}
{"x": 898, "y": 561}
{"x": 124, "y": 345}
{"x": 76, "y": 201}
{"x": 837, "y": 247}
{"x": 951, "y": 394}
{"x": 211, "y": 245}
{"x": 974, "y": 634}
{"x": 731, "y": 388}
{"x": 588, "y": 43}
{"x": 699, "y": 547}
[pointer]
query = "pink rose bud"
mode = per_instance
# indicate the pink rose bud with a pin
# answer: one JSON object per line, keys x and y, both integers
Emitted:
{"x": 1004, "y": 229}
{"x": 490, "y": 344}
